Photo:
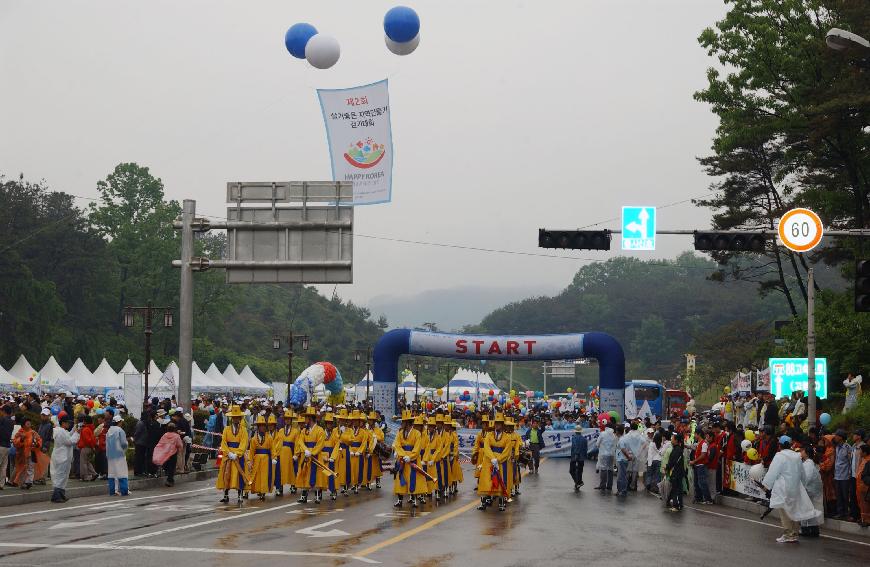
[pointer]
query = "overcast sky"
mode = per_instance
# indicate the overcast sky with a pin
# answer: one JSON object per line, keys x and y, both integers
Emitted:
{"x": 510, "y": 116}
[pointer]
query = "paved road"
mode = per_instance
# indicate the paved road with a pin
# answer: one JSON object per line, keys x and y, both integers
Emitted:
{"x": 549, "y": 525}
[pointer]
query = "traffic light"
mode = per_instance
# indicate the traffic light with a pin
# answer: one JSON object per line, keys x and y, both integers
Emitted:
{"x": 731, "y": 241}
{"x": 862, "y": 286}
{"x": 574, "y": 239}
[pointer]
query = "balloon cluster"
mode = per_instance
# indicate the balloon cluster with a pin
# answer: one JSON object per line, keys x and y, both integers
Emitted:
{"x": 401, "y": 34}
{"x": 319, "y": 373}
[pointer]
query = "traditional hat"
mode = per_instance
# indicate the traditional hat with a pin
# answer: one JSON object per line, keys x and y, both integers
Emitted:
{"x": 499, "y": 418}
{"x": 299, "y": 419}
{"x": 439, "y": 418}
{"x": 328, "y": 417}
{"x": 509, "y": 422}
{"x": 454, "y": 425}
{"x": 289, "y": 413}
{"x": 161, "y": 412}
{"x": 419, "y": 420}
{"x": 431, "y": 421}
{"x": 272, "y": 419}
{"x": 235, "y": 411}
{"x": 407, "y": 415}
{"x": 310, "y": 412}
{"x": 355, "y": 415}
{"x": 260, "y": 420}
{"x": 373, "y": 416}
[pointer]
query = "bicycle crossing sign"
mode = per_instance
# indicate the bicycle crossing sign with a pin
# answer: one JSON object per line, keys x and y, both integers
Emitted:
{"x": 638, "y": 228}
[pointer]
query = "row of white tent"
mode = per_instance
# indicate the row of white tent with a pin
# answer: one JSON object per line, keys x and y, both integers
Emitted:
{"x": 477, "y": 384}
{"x": 78, "y": 379}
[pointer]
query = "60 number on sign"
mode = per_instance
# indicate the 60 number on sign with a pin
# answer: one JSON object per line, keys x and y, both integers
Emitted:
{"x": 800, "y": 230}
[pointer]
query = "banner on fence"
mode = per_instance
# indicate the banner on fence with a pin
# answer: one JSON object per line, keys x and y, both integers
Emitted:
{"x": 742, "y": 483}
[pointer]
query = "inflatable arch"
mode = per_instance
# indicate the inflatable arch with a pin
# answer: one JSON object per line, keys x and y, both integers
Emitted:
{"x": 603, "y": 347}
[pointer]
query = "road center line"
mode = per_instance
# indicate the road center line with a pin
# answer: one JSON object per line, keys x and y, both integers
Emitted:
{"x": 199, "y": 524}
{"x": 116, "y": 501}
{"x": 774, "y": 525}
{"x": 107, "y": 547}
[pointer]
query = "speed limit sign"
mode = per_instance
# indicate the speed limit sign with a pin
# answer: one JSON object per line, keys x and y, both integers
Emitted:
{"x": 800, "y": 230}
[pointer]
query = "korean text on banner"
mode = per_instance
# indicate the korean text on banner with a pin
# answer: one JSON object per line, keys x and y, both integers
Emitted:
{"x": 360, "y": 139}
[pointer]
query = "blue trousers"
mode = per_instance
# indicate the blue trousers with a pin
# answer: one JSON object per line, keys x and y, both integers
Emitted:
{"x": 622, "y": 478}
{"x": 123, "y": 487}
{"x": 702, "y": 490}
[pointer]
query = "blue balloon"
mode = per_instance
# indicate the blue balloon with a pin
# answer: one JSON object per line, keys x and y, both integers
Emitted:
{"x": 336, "y": 385}
{"x": 297, "y": 38}
{"x": 298, "y": 395}
{"x": 825, "y": 418}
{"x": 55, "y": 410}
{"x": 401, "y": 24}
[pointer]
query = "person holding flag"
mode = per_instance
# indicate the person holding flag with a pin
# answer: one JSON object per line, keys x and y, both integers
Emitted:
{"x": 326, "y": 477}
{"x": 494, "y": 459}
{"x": 407, "y": 446}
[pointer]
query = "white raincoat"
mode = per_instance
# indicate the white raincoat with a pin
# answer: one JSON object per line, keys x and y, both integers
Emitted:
{"x": 786, "y": 480}
{"x": 62, "y": 456}
{"x": 813, "y": 482}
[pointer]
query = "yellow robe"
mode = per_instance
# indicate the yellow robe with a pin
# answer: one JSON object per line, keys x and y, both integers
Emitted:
{"x": 351, "y": 468}
{"x": 285, "y": 448}
{"x": 453, "y": 459}
{"x": 236, "y": 443}
{"x": 476, "y": 453}
{"x": 309, "y": 439}
{"x": 325, "y": 481}
{"x": 373, "y": 462}
{"x": 261, "y": 470}
{"x": 495, "y": 446}
{"x": 408, "y": 481}
{"x": 430, "y": 455}
{"x": 517, "y": 476}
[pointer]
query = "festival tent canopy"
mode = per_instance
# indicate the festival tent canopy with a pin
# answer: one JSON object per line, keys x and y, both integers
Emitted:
{"x": 22, "y": 370}
{"x": 199, "y": 382}
{"x": 249, "y": 381}
{"x": 216, "y": 378}
{"x": 359, "y": 391}
{"x": 53, "y": 378}
{"x": 231, "y": 377}
{"x": 104, "y": 377}
{"x": 80, "y": 375}
{"x": 6, "y": 379}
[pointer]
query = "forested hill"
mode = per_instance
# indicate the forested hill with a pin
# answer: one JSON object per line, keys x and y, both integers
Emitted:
{"x": 658, "y": 310}
{"x": 68, "y": 267}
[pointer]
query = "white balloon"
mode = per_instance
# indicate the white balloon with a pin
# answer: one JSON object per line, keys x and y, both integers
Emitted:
{"x": 404, "y": 48}
{"x": 746, "y": 444}
{"x": 322, "y": 51}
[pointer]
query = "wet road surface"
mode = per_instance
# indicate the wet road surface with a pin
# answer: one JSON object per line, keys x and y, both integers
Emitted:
{"x": 548, "y": 525}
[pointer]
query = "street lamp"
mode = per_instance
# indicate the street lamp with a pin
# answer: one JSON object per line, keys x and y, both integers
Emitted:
{"x": 448, "y": 369}
{"x": 417, "y": 364}
{"x": 358, "y": 356}
{"x": 148, "y": 313}
{"x": 291, "y": 338}
{"x": 842, "y": 40}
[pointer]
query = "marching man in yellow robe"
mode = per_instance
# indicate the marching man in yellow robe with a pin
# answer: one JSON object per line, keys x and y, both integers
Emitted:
{"x": 516, "y": 474}
{"x": 430, "y": 456}
{"x": 285, "y": 441}
{"x": 455, "y": 469}
{"x": 234, "y": 446}
{"x": 327, "y": 480}
{"x": 494, "y": 461}
{"x": 409, "y": 482}
{"x": 261, "y": 460}
{"x": 349, "y": 456}
{"x": 478, "y": 445}
{"x": 309, "y": 444}
{"x": 373, "y": 464}
{"x": 441, "y": 462}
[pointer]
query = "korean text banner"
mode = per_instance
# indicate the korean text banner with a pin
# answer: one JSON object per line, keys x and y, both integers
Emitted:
{"x": 360, "y": 139}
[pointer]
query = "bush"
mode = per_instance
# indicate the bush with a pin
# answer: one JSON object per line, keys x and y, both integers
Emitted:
{"x": 858, "y": 416}
{"x": 200, "y": 417}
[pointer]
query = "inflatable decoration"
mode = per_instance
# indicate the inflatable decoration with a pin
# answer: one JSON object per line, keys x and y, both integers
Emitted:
{"x": 297, "y": 37}
{"x": 319, "y": 373}
{"x": 402, "y": 48}
{"x": 322, "y": 51}
{"x": 825, "y": 418}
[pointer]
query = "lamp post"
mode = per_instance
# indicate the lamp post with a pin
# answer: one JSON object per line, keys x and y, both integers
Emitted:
{"x": 148, "y": 313}
{"x": 842, "y": 40}
{"x": 357, "y": 356}
{"x": 448, "y": 370}
{"x": 417, "y": 365}
{"x": 291, "y": 338}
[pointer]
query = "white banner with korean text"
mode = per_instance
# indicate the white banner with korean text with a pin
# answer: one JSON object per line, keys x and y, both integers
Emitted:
{"x": 360, "y": 139}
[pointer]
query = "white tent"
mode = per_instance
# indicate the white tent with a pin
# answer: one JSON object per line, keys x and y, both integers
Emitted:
{"x": 232, "y": 378}
{"x": 249, "y": 380}
{"x": 216, "y": 379}
{"x": 6, "y": 379}
{"x": 199, "y": 382}
{"x": 104, "y": 377}
{"x": 22, "y": 370}
{"x": 128, "y": 368}
{"x": 477, "y": 384}
{"x": 360, "y": 389}
{"x": 80, "y": 375}
{"x": 53, "y": 378}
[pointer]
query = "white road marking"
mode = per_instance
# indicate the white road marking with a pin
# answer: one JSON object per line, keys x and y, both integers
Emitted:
{"x": 775, "y": 526}
{"x": 64, "y": 509}
{"x": 400, "y": 514}
{"x": 93, "y": 522}
{"x": 178, "y": 508}
{"x": 107, "y": 547}
{"x": 199, "y": 524}
{"x": 313, "y": 531}
{"x": 315, "y": 511}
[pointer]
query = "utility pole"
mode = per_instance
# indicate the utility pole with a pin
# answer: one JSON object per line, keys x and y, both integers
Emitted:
{"x": 811, "y": 349}
{"x": 511, "y": 377}
{"x": 185, "y": 324}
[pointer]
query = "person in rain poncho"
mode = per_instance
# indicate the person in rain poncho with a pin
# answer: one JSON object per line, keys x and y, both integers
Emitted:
{"x": 116, "y": 458}
{"x": 786, "y": 481}
{"x": 606, "y": 455}
{"x": 813, "y": 482}
{"x": 62, "y": 457}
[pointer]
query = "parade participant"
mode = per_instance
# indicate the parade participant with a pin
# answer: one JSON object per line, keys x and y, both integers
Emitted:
{"x": 455, "y": 472}
{"x": 494, "y": 459}
{"x": 277, "y": 447}
{"x": 285, "y": 446}
{"x": 234, "y": 445}
{"x": 430, "y": 456}
{"x": 514, "y": 473}
{"x": 349, "y": 456}
{"x": 30, "y": 462}
{"x": 408, "y": 481}
{"x": 534, "y": 438}
{"x": 441, "y": 463}
{"x": 420, "y": 427}
{"x": 606, "y": 458}
{"x": 376, "y": 439}
{"x": 116, "y": 458}
{"x": 341, "y": 453}
{"x": 62, "y": 456}
{"x": 579, "y": 448}
{"x": 478, "y": 445}
{"x": 785, "y": 481}
{"x": 309, "y": 445}
{"x": 330, "y": 441}
{"x": 260, "y": 459}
